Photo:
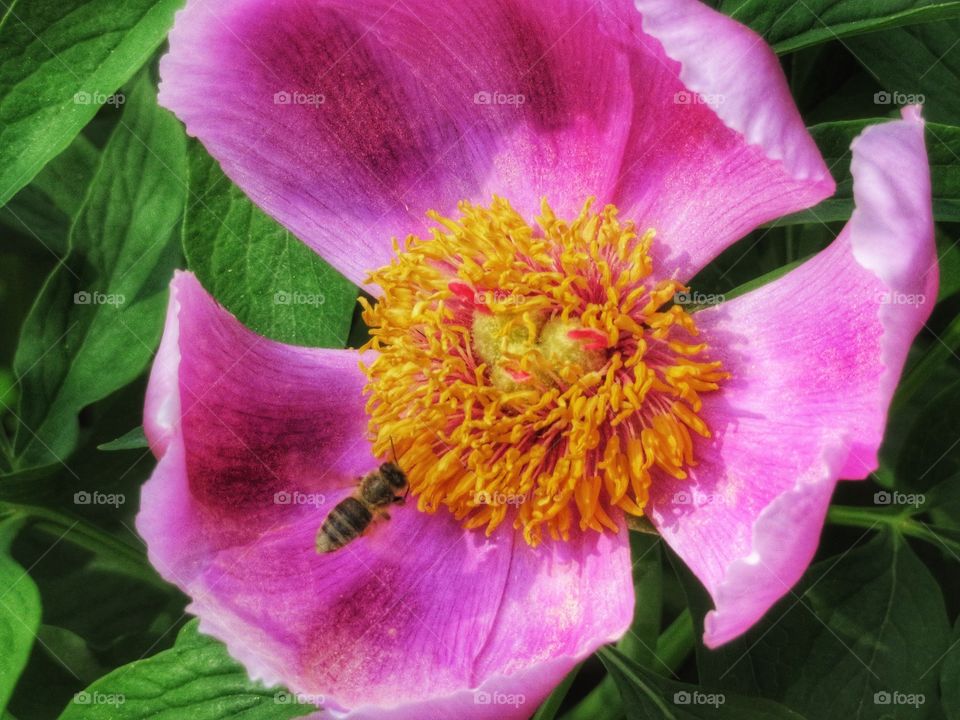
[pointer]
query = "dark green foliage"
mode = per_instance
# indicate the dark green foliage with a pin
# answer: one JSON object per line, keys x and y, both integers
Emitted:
{"x": 102, "y": 196}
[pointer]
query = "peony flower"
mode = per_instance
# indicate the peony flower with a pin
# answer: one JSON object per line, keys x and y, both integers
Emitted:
{"x": 553, "y": 174}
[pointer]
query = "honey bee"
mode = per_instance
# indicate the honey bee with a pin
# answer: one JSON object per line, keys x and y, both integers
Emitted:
{"x": 352, "y": 516}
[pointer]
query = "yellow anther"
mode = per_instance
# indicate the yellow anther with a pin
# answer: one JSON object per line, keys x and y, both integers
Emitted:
{"x": 534, "y": 374}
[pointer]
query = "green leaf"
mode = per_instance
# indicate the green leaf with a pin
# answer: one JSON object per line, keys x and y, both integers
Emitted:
{"x": 833, "y": 139}
{"x": 196, "y": 679}
{"x": 950, "y": 677}
{"x": 98, "y": 319}
{"x": 936, "y": 407}
{"x": 640, "y": 642}
{"x": 271, "y": 281}
{"x": 764, "y": 279}
{"x": 943, "y": 503}
{"x": 788, "y": 25}
{"x": 44, "y": 209}
{"x": 8, "y": 389}
{"x": 59, "y": 63}
{"x": 919, "y": 60}
{"x": 648, "y": 696}
{"x": 131, "y": 440}
{"x": 920, "y": 372}
{"x": 70, "y": 651}
{"x": 121, "y": 617}
{"x": 948, "y": 257}
{"x": 19, "y": 614}
{"x": 99, "y": 618}
{"x": 926, "y": 398}
{"x": 857, "y": 639}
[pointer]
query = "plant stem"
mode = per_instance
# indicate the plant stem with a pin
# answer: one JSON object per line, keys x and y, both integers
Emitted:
{"x": 899, "y": 522}
{"x": 125, "y": 556}
{"x": 791, "y": 250}
{"x": 675, "y": 643}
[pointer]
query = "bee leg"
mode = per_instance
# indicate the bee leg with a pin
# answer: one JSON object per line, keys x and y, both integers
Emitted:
{"x": 400, "y": 500}
{"x": 385, "y": 515}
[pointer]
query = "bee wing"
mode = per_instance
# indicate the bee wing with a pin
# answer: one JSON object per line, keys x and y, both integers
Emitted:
{"x": 343, "y": 485}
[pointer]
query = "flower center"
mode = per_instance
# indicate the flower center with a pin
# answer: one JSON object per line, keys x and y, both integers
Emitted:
{"x": 536, "y": 373}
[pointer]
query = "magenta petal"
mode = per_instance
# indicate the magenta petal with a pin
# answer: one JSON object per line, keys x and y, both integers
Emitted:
{"x": 415, "y": 620}
{"x": 717, "y": 145}
{"x": 814, "y": 358}
{"x": 389, "y": 109}
{"x": 348, "y": 120}
{"x": 241, "y": 458}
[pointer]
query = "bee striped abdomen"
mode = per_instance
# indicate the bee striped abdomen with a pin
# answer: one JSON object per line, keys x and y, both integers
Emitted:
{"x": 346, "y": 522}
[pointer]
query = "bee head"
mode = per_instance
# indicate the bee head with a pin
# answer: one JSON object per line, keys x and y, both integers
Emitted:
{"x": 393, "y": 475}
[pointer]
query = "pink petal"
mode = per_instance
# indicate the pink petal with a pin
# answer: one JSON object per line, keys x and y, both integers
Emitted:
{"x": 413, "y": 620}
{"x": 402, "y": 126}
{"x": 717, "y": 145}
{"x": 425, "y": 104}
{"x": 814, "y": 357}
{"x": 241, "y": 458}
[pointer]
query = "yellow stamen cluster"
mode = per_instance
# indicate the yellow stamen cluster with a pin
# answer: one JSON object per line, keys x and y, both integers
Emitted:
{"x": 534, "y": 373}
